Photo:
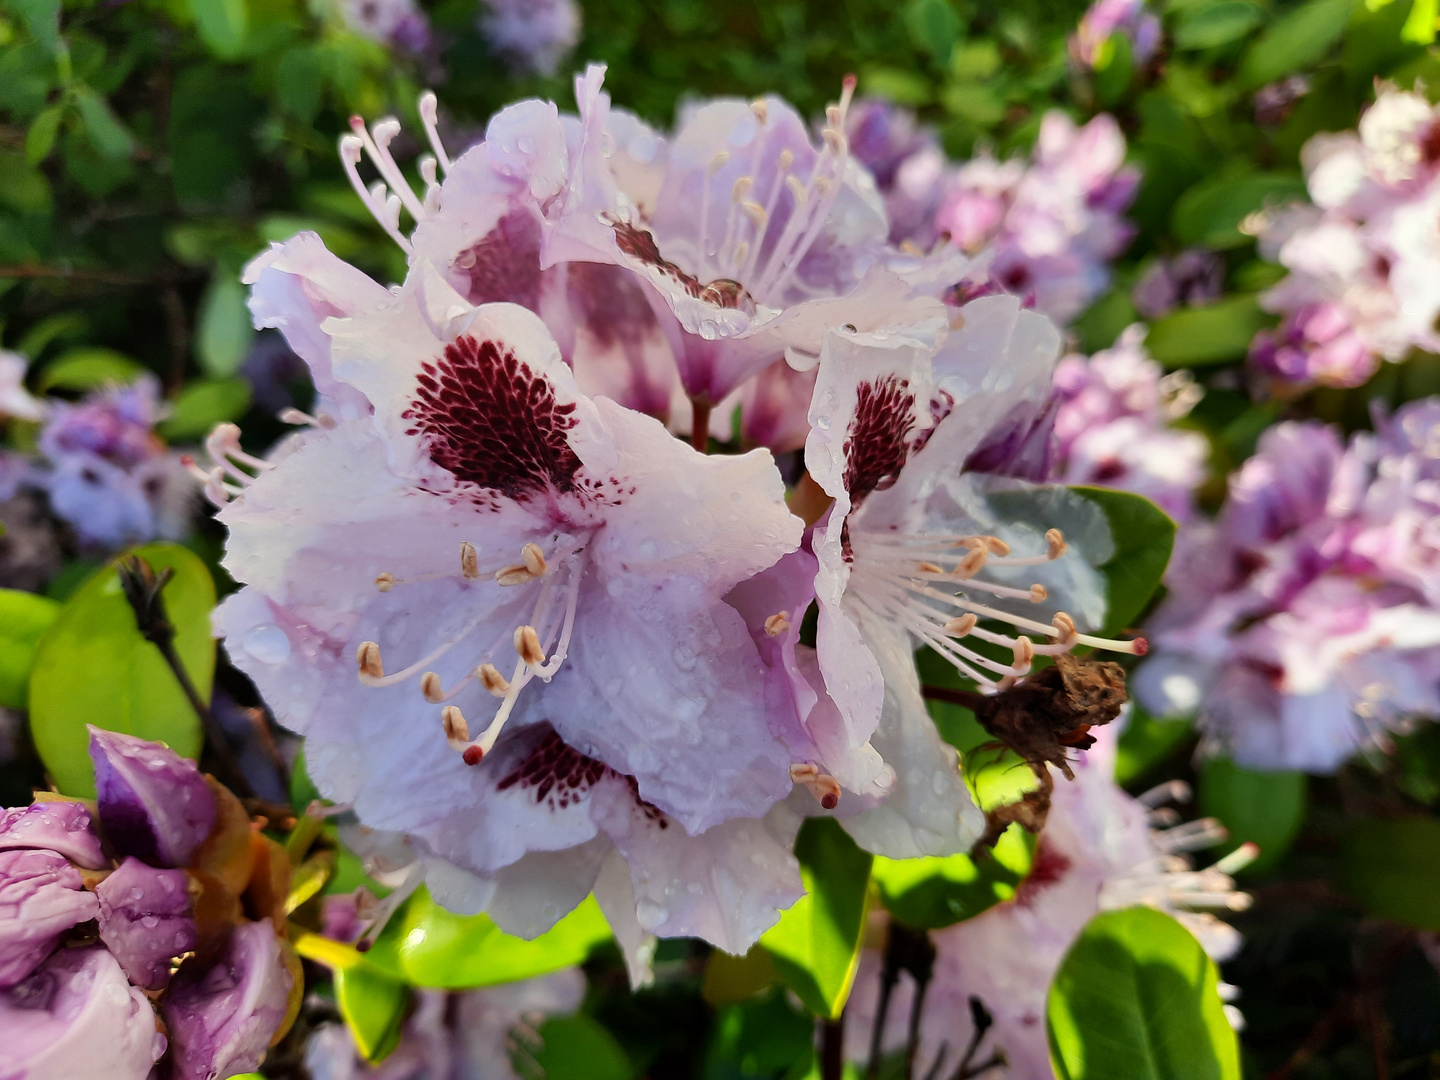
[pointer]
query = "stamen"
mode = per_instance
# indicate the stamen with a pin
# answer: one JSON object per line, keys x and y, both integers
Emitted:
{"x": 518, "y": 574}
{"x": 533, "y": 558}
{"x": 823, "y": 786}
{"x": 469, "y": 560}
{"x": 1038, "y": 593}
{"x": 1055, "y": 544}
{"x": 457, "y": 731}
{"x": 1163, "y": 818}
{"x": 756, "y": 213}
{"x": 1024, "y": 654}
{"x": 1170, "y": 791}
{"x": 527, "y": 644}
{"x": 777, "y": 624}
{"x": 385, "y": 581}
{"x": 1065, "y": 626}
{"x": 761, "y": 110}
{"x": 929, "y": 568}
{"x": 431, "y": 688}
{"x": 741, "y": 188}
{"x": 1238, "y": 859}
{"x": 786, "y": 160}
{"x": 303, "y": 419}
{"x": 368, "y": 658}
{"x": 972, "y": 563}
{"x": 797, "y": 190}
{"x": 377, "y": 145}
{"x": 429, "y": 114}
{"x": 492, "y": 680}
{"x": 352, "y": 149}
{"x": 961, "y": 626}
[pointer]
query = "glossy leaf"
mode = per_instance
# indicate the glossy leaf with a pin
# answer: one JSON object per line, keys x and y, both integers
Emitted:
{"x": 93, "y": 667}
{"x": 24, "y": 618}
{"x": 203, "y": 404}
{"x": 429, "y": 946}
{"x": 930, "y": 893}
{"x": 1266, "y": 808}
{"x": 1392, "y": 867}
{"x": 1144, "y": 536}
{"x": 373, "y": 1005}
{"x": 577, "y": 1048}
{"x": 1214, "y": 334}
{"x": 1136, "y": 997}
{"x": 1294, "y": 41}
{"x": 816, "y": 943}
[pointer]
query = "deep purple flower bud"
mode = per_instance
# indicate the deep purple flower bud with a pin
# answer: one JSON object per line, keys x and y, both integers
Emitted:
{"x": 56, "y": 826}
{"x": 154, "y": 804}
{"x": 222, "y": 1019}
{"x": 76, "y": 1018}
{"x": 41, "y": 897}
{"x": 146, "y": 919}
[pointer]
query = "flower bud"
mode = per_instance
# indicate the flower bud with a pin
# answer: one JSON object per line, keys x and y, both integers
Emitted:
{"x": 146, "y": 919}
{"x": 57, "y": 826}
{"x": 154, "y": 804}
{"x": 41, "y": 897}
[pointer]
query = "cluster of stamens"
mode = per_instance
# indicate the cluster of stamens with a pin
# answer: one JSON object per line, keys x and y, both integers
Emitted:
{"x": 392, "y": 192}
{"x": 917, "y": 583}
{"x": 227, "y": 476}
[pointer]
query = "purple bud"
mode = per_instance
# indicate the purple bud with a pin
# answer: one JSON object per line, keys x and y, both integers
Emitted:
{"x": 222, "y": 1018}
{"x": 154, "y": 804}
{"x": 41, "y": 897}
{"x": 76, "y": 1018}
{"x": 146, "y": 920}
{"x": 58, "y": 826}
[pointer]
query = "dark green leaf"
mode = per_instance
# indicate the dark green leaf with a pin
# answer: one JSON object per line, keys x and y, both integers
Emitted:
{"x": 934, "y": 27}
{"x": 102, "y": 127}
{"x": 429, "y": 946}
{"x": 1392, "y": 866}
{"x": 223, "y": 25}
{"x": 24, "y": 617}
{"x": 930, "y": 893}
{"x": 203, "y": 404}
{"x": 87, "y": 368}
{"x": 1298, "y": 39}
{"x": 299, "y": 80}
{"x": 816, "y": 943}
{"x": 1217, "y": 23}
{"x": 373, "y": 1005}
{"x": 1112, "y": 79}
{"x": 93, "y": 667}
{"x": 40, "y": 139}
{"x": 1136, "y": 997}
{"x": 1215, "y": 334}
{"x": 1208, "y": 214}
{"x": 1143, "y": 535}
{"x": 1146, "y": 742}
{"x": 577, "y": 1048}
{"x": 1265, "y": 808}
{"x": 42, "y": 19}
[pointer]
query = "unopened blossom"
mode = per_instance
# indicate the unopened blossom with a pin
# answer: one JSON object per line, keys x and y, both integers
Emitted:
{"x": 533, "y": 36}
{"x": 41, "y": 897}
{"x": 1112, "y": 426}
{"x": 153, "y": 803}
{"x": 146, "y": 918}
{"x": 1104, "y": 19}
{"x": 908, "y": 164}
{"x": 1364, "y": 256}
{"x": 16, "y": 402}
{"x": 1193, "y": 277}
{"x": 1054, "y": 223}
{"x": 398, "y": 24}
{"x": 1301, "y": 627}
{"x": 494, "y": 608}
{"x": 1100, "y": 850}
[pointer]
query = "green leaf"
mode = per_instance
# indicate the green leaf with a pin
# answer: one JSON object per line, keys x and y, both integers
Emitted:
{"x": 1143, "y": 535}
{"x": 1265, "y": 808}
{"x": 429, "y": 946}
{"x": 933, "y": 892}
{"x": 1217, "y": 24}
{"x": 1420, "y": 25}
{"x": 203, "y": 404}
{"x": 299, "y": 81}
{"x": 934, "y": 27}
{"x": 1147, "y": 741}
{"x": 1136, "y": 997}
{"x": 816, "y": 943}
{"x": 224, "y": 330}
{"x": 1112, "y": 79}
{"x": 1217, "y": 333}
{"x": 93, "y": 667}
{"x": 102, "y": 127}
{"x": 373, "y": 1005}
{"x": 24, "y": 617}
{"x": 86, "y": 368}
{"x": 577, "y": 1048}
{"x": 1209, "y": 214}
{"x": 223, "y": 25}
{"x": 40, "y": 138}
{"x": 1390, "y": 866}
{"x": 42, "y": 19}
{"x": 1297, "y": 40}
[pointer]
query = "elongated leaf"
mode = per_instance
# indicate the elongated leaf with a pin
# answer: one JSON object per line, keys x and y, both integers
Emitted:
{"x": 1144, "y": 536}
{"x": 24, "y": 617}
{"x": 429, "y": 946}
{"x": 1297, "y": 40}
{"x": 223, "y": 25}
{"x": 930, "y": 893}
{"x": 1136, "y": 997}
{"x": 203, "y": 404}
{"x": 1266, "y": 808}
{"x": 93, "y": 667}
{"x": 1214, "y": 334}
{"x": 86, "y": 368}
{"x": 102, "y": 127}
{"x": 224, "y": 331}
{"x": 1392, "y": 866}
{"x": 373, "y": 1005}
{"x": 1217, "y": 24}
{"x": 577, "y": 1048}
{"x": 816, "y": 943}
{"x": 40, "y": 139}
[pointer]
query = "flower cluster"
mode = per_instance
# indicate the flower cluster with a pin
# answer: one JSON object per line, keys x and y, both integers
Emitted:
{"x": 397, "y": 24}
{"x": 532, "y": 35}
{"x": 99, "y": 922}
{"x": 1091, "y": 44}
{"x": 550, "y": 648}
{"x": 1364, "y": 256}
{"x": 1302, "y": 624}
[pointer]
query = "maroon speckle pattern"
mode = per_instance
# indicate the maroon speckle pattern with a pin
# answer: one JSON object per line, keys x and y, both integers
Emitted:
{"x": 879, "y": 442}
{"x": 1048, "y": 867}
{"x": 640, "y": 245}
{"x": 559, "y": 775}
{"x": 504, "y": 267}
{"x": 493, "y": 421}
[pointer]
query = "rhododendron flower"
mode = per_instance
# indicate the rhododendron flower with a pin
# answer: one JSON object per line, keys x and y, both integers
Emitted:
{"x": 532, "y": 35}
{"x": 1193, "y": 277}
{"x": 1106, "y": 18}
{"x": 907, "y": 162}
{"x": 576, "y": 685}
{"x": 1301, "y": 627}
{"x": 398, "y": 24}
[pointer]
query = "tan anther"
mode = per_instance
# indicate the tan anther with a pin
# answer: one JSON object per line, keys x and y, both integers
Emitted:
{"x": 761, "y": 110}
{"x": 803, "y": 772}
{"x": 777, "y": 624}
{"x": 719, "y": 161}
{"x": 928, "y": 568}
{"x": 1038, "y": 593}
{"x": 518, "y": 574}
{"x": 909, "y": 247}
{"x": 834, "y": 140}
{"x": 787, "y": 158}
{"x": 755, "y": 212}
{"x": 533, "y": 558}
{"x": 1055, "y": 543}
{"x": 431, "y": 688}
{"x": 527, "y": 644}
{"x": 741, "y": 188}
{"x": 368, "y": 657}
{"x": 972, "y": 563}
{"x": 490, "y": 678}
{"x": 997, "y": 546}
{"x": 957, "y": 323}
{"x": 959, "y": 627}
{"x": 823, "y": 786}
{"x": 469, "y": 561}
{"x": 1064, "y": 628}
{"x": 385, "y": 582}
{"x": 797, "y": 190}
{"x": 1024, "y": 653}
{"x": 456, "y": 729}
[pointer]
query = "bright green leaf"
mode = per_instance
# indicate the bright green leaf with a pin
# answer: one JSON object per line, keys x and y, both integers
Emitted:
{"x": 1136, "y": 997}
{"x": 24, "y": 617}
{"x": 1217, "y": 24}
{"x": 1143, "y": 535}
{"x": 1265, "y": 808}
{"x": 93, "y": 667}
{"x": 1209, "y": 214}
{"x": 577, "y": 1048}
{"x": 373, "y": 1005}
{"x": 429, "y": 946}
{"x": 223, "y": 25}
{"x": 1217, "y": 333}
{"x": 1390, "y": 865}
{"x": 203, "y": 404}
{"x": 102, "y": 127}
{"x": 1298, "y": 39}
{"x": 40, "y": 138}
{"x": 1420, "y": 25}
{"x": 87, "y": 368}
{"x": 816, "y": 943}
{"x": 224, "y": 330}
{"x": 933, "y": 892}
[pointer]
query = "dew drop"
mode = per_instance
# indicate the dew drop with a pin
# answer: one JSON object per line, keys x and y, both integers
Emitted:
{"x": 268, "y": 644}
